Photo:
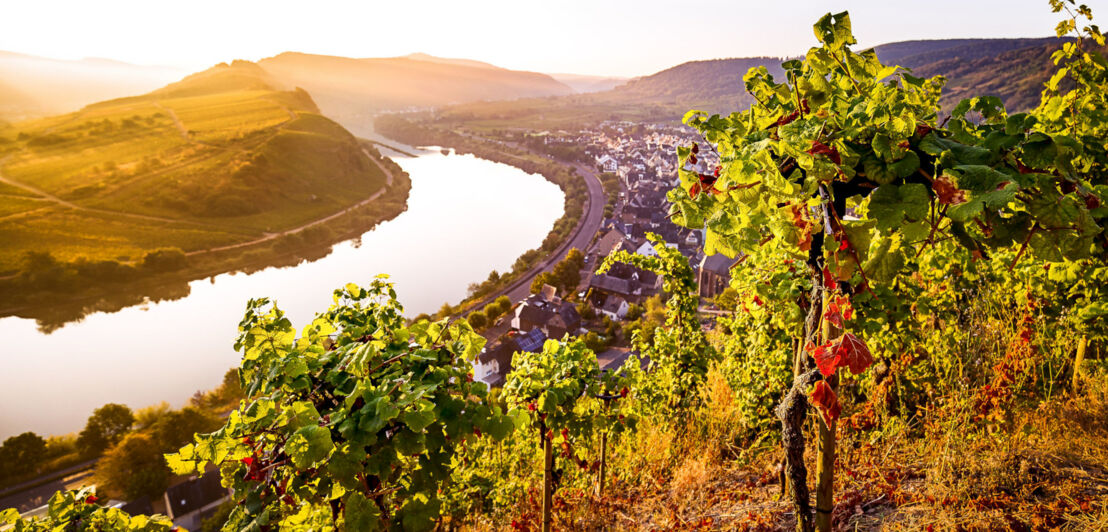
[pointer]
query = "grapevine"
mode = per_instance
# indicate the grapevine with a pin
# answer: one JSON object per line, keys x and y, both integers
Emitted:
{"x": 354, "y": 424}
{"x": 846, "y": 166}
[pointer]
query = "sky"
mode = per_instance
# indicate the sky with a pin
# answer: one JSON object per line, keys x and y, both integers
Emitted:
{"x": 599, "y": 37}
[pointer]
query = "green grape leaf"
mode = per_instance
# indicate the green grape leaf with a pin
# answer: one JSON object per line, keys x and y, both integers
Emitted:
{"x": 309, "y": 445}
{"x": 892, "y": 205}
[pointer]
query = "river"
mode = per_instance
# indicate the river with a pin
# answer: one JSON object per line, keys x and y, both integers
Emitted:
{"x": 466, "y": 216}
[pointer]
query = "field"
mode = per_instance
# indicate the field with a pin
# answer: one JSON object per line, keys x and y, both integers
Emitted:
{"x": 219, "y": 158}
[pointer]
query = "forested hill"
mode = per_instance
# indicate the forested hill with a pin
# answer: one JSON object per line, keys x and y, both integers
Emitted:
{"x": 717, "y": 82}
{"x": 1013, "y": 69}
{"x": 346, "y": 87}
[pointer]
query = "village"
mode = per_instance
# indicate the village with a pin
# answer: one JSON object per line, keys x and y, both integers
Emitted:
{"x": 605, "y": 309}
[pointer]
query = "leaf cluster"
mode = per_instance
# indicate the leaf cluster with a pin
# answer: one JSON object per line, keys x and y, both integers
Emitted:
{"x": 352, "y": 425}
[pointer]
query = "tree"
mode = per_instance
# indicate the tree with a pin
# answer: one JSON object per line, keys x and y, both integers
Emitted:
{"x": 176, "y": 428}
{"x": 146, "y": 417}
{"x": 105, "y": 427}
{"x": 164, "y": 260}
{"x": 477, "y": 319}
{"x": 567, "y": 273}
{"x": 504, "y": 303}
{"x": 594, "y": 342}
{"x": 540, "y": 280}
{"x": 134, "y": 468}
{"x": 494, "y": 277}
{"x": 21, "y": 454}
{"x": 492, "y": 311}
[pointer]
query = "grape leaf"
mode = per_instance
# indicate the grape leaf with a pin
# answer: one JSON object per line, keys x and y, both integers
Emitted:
{"x": 309, "y": 445}
{"x": 824, "y": 398}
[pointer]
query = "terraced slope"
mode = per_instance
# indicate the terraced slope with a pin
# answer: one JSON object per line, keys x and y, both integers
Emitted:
{"x": 222, "y": 157}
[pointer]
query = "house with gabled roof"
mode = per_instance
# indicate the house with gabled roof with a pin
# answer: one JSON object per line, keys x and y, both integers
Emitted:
{"x": 494, "y": 362}
{"x": 714, "y": 274}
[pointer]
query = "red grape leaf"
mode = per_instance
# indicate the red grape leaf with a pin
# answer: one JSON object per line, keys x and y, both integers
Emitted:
{"x": 803, "y": 225}
{"x": 946, "y": 191}
{"x": 838, "y": 310}
{"x": 787, "y": 118}
{"x": 852, "y": 351}
{"x": 824, "y": 398}
{"x": 825, "y": 357}
{"x": 819, "y": 148}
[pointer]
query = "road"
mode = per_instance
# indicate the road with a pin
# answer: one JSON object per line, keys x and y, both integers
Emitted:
{"x": 582, "y": 236}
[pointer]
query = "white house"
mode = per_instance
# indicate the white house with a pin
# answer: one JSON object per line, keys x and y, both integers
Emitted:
{"x": 607, "y": 163}
{"x": 615, "y": 307}
{"x": 647, "y": 249}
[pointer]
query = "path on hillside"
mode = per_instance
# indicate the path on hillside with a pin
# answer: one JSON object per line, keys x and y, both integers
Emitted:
{"x": 42, "y": 194}
{"x": 270, "y": 236}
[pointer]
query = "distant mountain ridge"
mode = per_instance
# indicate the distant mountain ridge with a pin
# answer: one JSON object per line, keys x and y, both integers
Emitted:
{"x": 1013, "y": 69}
{"x": 32, "y": 86}
{"x": 345, "y": 87}
{"x": 582, "y": 83}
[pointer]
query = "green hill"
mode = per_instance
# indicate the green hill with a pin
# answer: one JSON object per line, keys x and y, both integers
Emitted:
{"x": 222, "y": 157}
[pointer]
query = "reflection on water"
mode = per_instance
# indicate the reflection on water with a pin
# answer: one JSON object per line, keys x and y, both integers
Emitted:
{"x": 465, "y": 217}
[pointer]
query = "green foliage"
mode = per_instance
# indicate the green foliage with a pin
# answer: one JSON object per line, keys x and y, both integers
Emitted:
{"x": 366, "y": 423}
{"x": 725, "y": 300}
{"x": 861, "y": 133}
{"x": 1074, "y": 100}
{"x": 164, "y": 260}
{"x": 134, "y": 468}
{"x": 219, "y": 516}
{"x": 21, "y": 454}
{"x": 679, "y": 353}
{"x": 77, "y": 510}
{"x": 105, "y": 427}
{"x": 477, "y": 319}
{"x": 176, "y": 428}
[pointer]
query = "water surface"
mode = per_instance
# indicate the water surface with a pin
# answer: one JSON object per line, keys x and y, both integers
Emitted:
{"x": 466, "y": 216}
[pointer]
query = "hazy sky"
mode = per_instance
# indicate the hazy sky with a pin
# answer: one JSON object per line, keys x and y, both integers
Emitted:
{"x": 625, "y": 38}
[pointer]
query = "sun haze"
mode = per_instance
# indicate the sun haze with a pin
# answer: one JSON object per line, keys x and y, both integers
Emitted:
{"x": 619, "y": 38}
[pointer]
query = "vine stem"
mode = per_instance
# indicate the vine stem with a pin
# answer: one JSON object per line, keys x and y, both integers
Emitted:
{"x": 1023, "y": 247}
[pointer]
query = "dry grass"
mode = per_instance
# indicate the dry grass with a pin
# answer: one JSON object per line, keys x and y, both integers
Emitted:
{"x": 1048, "y": 470}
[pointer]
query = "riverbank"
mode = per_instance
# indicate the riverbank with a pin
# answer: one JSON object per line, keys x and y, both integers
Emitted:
{"x": 584, "y": 204}
{"x": 56, "y": 293}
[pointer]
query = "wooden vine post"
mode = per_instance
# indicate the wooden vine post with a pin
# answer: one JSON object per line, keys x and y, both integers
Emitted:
{"x": 603, "y": 452}
{"x": 547, "y": 479}
{"x": 825, "y": 468}
{"x": 1078, "y": 361}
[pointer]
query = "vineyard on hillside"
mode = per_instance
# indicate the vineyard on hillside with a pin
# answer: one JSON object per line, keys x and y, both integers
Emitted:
{"x": 918, "y": 343}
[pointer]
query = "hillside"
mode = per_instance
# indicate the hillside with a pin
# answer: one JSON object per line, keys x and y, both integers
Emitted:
{"x": 36, "y": 86}
{"x": 583, "y": 83}
{"x": 345, "y": 87}
{"x": 219, "y": 158}
{"x": 1013, "y": 69}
